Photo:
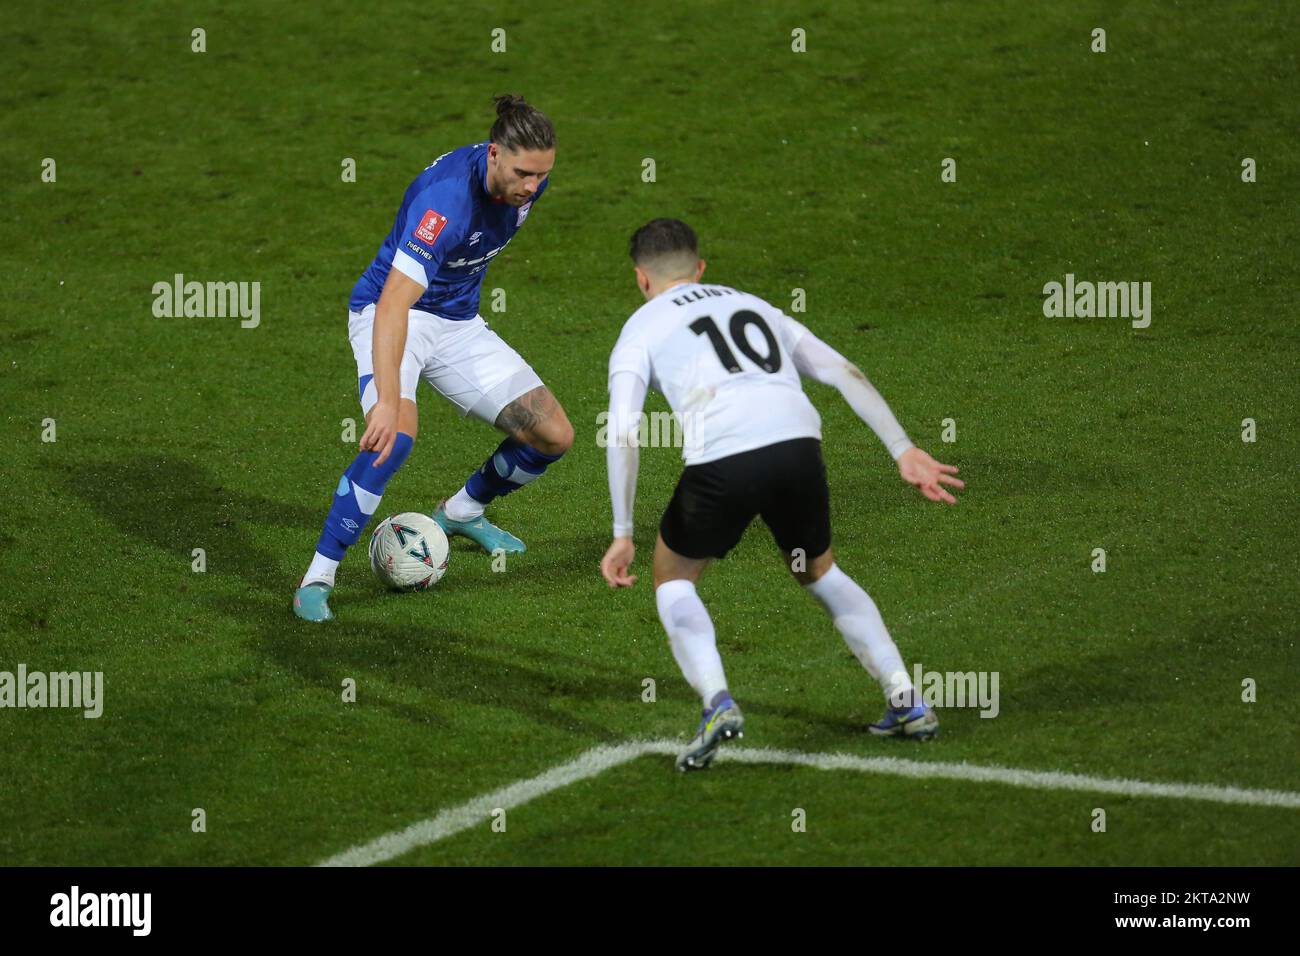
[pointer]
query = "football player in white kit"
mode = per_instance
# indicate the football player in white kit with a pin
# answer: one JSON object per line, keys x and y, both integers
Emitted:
{"x": 729, "y": 365}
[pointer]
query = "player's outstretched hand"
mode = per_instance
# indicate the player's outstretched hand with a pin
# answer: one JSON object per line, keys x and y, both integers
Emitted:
{"x": 381, "y": 431}
{"x": 919, "y": 469}
{"x": 616, "y": 563}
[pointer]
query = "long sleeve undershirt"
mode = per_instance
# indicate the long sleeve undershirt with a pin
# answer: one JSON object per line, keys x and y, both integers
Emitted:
{"x": 816, "y": 360}
{"x": 622, "y": 457}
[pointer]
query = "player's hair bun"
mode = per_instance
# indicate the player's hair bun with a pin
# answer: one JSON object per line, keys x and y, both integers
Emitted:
{"x": 507, "y": 102}
{"x": 520, "y": 126}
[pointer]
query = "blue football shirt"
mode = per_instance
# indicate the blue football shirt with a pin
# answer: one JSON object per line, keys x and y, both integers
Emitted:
{"x": 447, "y": 231}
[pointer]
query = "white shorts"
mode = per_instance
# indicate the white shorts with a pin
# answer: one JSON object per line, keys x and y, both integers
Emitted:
{"x": 465, "y": 362}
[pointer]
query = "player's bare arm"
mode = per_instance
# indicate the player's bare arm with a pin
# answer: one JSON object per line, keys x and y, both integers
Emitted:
{"x": 382, "y": 424}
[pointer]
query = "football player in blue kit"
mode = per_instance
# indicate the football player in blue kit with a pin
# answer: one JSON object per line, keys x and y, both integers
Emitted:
{"x": 414, "y": 315}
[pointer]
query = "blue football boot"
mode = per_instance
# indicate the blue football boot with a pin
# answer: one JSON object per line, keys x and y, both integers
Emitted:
{"x": 488, "y": 536}
{"x": 915, "y": 723}
{"x": 311, "y": 602}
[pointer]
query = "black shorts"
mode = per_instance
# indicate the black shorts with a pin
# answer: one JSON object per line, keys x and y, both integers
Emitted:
{"x": 785, "y": 483}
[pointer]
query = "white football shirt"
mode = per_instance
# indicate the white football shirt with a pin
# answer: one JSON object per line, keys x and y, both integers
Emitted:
{"x": 723, "y": 360}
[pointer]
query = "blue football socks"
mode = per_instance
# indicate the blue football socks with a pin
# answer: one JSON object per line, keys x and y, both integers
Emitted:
{"x": 357, "y": 497}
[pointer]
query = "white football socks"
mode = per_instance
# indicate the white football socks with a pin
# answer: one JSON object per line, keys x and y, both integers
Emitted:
{"x": 690, "y": 632}
{"x": 321, "y": 571}
{"x": 461, "y": 507}
{"x": 858, "y": 619}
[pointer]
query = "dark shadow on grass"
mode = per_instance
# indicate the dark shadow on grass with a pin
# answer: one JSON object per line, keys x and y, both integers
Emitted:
{"x": 551, "y": 558}
{"x": 176, "y": 506}
{"x": 445, "y": 664}
{"x": 1095, "y": 680}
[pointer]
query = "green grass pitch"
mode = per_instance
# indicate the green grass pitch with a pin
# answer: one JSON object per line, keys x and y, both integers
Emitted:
{"x": 819, "y": 170}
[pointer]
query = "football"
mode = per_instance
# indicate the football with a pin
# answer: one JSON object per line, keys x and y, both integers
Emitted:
{"x": 409, "y": 552}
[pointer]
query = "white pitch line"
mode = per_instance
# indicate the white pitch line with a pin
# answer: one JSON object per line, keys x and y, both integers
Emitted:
{"x": 1014, "y": 777}
{"x": 456, "y": 819}
{"x": 598, "y": 760}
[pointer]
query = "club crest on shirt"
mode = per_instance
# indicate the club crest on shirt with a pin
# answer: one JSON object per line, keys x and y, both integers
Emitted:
{"x": 430, "y": 226}
{"x": 523, "y": 213}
